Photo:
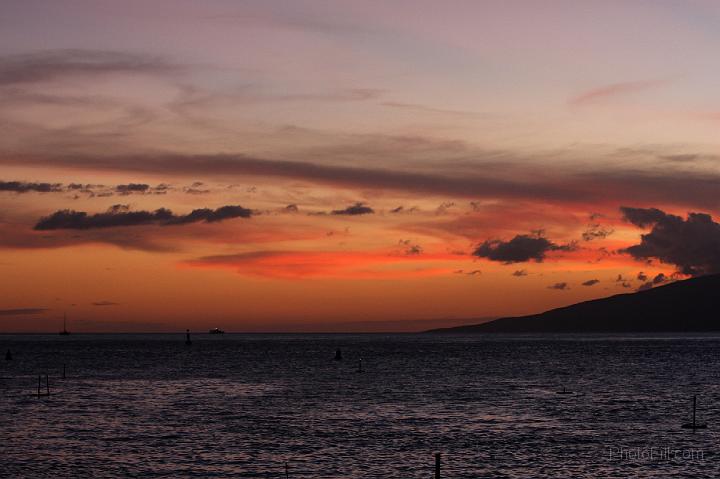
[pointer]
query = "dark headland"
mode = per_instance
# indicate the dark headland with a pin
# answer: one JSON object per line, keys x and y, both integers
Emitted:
{"x": 691, "y": 305}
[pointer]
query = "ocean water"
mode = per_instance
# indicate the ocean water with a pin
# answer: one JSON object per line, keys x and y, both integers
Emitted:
{"x": 245, "y": 405}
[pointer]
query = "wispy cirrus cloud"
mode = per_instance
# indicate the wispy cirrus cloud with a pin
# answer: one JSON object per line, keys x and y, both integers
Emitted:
{"x": 329, "y": 264}
{"x": 614, "y": 90}
{"x": 511, "y": 180}
{"x": 105, "y": 303}
{"x": 49, "y": 65}
{"x": 22, "y": 311}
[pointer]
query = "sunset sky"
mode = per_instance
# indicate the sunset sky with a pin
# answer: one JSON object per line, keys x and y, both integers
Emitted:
{"x": 350, "y": 165}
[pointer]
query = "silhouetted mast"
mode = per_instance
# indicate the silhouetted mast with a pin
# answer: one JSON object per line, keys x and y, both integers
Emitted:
{"x": 64, "y": 331}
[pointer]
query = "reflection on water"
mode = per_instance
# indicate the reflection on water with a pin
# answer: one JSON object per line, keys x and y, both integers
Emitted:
{"x": 243, "y": 405}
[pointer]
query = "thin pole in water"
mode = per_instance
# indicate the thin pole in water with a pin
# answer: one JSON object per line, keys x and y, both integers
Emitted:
{"x": 437, "y": 465}
{"x": 47, "y": 384}
{"x": 63, "y": 371}
{"x": 39, "y": 381}
{"x": 287, "y": 470}
{"x": 694, "y": 407}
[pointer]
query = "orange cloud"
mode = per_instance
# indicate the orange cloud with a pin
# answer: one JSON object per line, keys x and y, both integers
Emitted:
{"x": 335, "y": 264}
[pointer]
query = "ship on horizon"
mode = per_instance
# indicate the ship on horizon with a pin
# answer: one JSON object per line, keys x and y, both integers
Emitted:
{"x": 64, "y": 331}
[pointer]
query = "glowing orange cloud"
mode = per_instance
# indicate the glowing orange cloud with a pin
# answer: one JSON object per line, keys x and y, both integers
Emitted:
{"x": 350, "y": 265}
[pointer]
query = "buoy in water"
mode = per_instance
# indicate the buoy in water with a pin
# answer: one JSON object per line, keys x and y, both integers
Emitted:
{"x": 338, "y": 355}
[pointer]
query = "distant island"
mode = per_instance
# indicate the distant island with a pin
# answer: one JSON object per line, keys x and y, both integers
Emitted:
{"x": 692, "y": 305}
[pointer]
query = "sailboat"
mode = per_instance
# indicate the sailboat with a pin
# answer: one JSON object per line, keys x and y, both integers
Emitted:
{"x": 64, "y": 331}
{"x": 694, "y": 424}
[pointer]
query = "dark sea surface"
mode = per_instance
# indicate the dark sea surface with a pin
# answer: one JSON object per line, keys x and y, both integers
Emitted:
{"x": 239, "y": 405}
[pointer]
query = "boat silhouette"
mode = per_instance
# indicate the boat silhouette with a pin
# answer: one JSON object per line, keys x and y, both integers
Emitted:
{"x": 64, "y": 331}
{"x": 216, "y": 331}
{"x": 694, "y": 424}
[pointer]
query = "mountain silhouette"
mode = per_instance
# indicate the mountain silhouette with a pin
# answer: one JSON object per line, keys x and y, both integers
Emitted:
{"x": 682, "y": 306}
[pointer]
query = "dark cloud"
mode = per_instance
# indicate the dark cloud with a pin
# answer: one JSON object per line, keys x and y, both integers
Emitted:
{"x": 414, "y": 249}
{"x": 118, "y": 208}
{"x": 402, "y": 209}
{"x": 25, "y": 187}
{"x": 119, "y": 216}
{"x": 559, "y": 286}
{"x": 519, "y": 249}
{"x": 21, "y": 311}
{"x": 513, "y": 179}
{"x": 131, "y": 188}
{"x": 195, "y": 191}
{"x": 680, "y": 158}
{"x": 658, "y": 279}
{"x": 596, "y": 231}
{"x": 410, "y": 248}
{"x": 212, "y": 216}
{"x": 642, "y": 217}
{"x": 590, "y": 282}
{"x": 70, "y": 219}
{"x": 51, "y": 65}
{"x": 622, "y": 281}
{"x": 444, "y": 207}
{"x": 474, "y": 272}
{"x": 105, "y": 303}
{"x": 241, "y": 165}
{"x": 520, "y": 272}
{"x": 354, "y": 210}
{"x": 692, "y": 244}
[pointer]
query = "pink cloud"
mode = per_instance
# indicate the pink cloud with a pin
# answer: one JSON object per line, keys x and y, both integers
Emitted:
{"x": 614, "y": 90}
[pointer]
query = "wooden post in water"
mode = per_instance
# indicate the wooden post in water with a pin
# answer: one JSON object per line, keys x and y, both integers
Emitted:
{"x": 437, "y": 465}
{"x": 47, "y": 384}
{"x": 287, "y": 471}
{"x": 694, "y": 408}
{"x": 39, "y": 382}
{"x": 63, "y": 371}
